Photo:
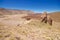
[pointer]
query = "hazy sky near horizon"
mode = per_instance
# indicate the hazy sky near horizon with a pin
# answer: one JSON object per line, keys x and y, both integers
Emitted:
{"x": 34, "y": 5}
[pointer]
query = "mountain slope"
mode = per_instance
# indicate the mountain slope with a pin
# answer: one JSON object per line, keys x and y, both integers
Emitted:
{"x": 14, "y": 11}
{"x": 55, "y": 16}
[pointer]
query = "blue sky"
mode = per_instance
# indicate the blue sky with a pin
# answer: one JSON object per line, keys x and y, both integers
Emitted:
{"x": 34, "y": 5}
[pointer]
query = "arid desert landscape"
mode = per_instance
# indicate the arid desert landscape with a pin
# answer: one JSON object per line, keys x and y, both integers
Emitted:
{"x": 15, "y": 26}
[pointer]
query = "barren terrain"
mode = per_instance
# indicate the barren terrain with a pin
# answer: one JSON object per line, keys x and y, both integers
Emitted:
{"x": 16, "y": 27}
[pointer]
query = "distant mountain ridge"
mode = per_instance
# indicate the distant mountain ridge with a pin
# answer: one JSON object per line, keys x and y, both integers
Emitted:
{"x": 55, "y": 15}
{"x": 12, "y": 11}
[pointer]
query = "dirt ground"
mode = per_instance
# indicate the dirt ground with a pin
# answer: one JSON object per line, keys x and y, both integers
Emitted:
{"x": 13, "y": 27}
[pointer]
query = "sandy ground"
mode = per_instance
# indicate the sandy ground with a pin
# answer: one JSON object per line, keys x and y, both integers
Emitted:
{"x": 13, "y": 27}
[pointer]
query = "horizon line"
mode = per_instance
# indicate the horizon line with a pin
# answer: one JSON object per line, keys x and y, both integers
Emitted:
{"x": 29, "y": 10}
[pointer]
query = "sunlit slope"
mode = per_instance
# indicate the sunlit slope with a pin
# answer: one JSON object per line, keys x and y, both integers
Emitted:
{"x": 35, "y": 30}
{"x": 55, "y": 16}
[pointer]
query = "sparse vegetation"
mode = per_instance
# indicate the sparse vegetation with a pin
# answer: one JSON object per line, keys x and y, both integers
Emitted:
{"x": 32, "y": 29}
{"x": 13, "y": 27}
